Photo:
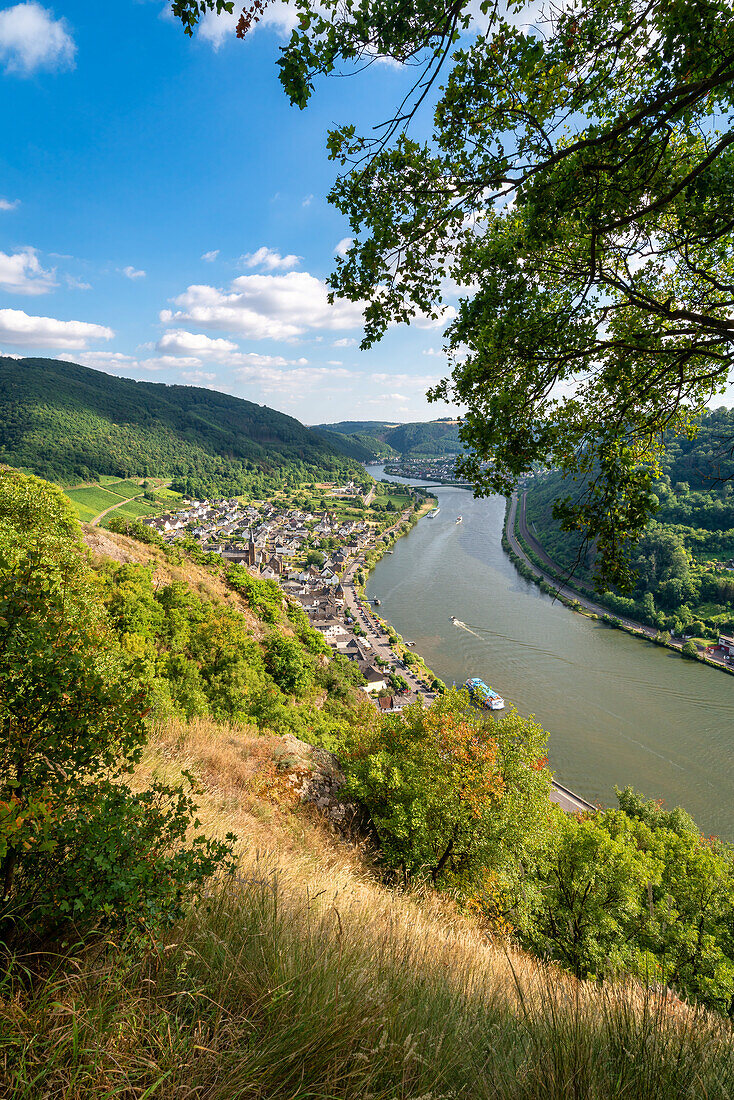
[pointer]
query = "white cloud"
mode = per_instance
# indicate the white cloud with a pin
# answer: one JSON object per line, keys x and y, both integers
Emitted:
{"x": 6, "y": 204}
{"x": 21, "y": 273}
{"x": 407, "y": 381}
{"x": 215, "y": 29}
{"x": 31, "y": 39}
{"x": 345, "y": 342}
{"x": 180, "y": 342}
{"x": 17, "y": 327}
{"x": 74, "y": 283}
{"x": 344, "y": 245}
{"x": 307, "y": 201}
{"x": 275, "y": 307}
{"x": 299, "y": 380}
{"x": 101, "y": 360}
{"x": 118, "y": 361}
{"x": 439, "y": 353}
{"x": 210, "y": 257}
{"x": 270, "y": 260}
{"x": 132, "y": 273}
{"x": 334, "y": 362}
{"x": 196, "y": 377}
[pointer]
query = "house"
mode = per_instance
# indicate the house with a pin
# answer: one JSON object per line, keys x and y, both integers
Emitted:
{"x": 726, "y": 642}
{"x": 330, "y": 628}
{"x": 392, "y": 704}
{"x": 374, "y": 677}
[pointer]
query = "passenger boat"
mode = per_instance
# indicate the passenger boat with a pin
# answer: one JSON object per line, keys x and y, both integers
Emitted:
{"x": 433, "y": 514}
{"x": 484, "y": 696}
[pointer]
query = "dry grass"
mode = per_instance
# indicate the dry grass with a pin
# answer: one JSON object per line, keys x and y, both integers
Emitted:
{"x": 108, "y": 545}
{"x": 306, "y": 978}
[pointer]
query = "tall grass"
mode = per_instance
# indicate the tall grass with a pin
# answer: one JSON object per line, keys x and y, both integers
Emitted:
{"x": 289, "y": 985}
{"x": 305, "y": 979}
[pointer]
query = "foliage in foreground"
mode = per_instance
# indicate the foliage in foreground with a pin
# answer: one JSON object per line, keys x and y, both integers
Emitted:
{"x": 304, "y": 980}
{"x": 462, "y": 800}
{"x": 79, "y": 850}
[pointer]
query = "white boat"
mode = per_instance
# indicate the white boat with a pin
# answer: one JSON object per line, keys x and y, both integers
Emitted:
{"x": 433, "y": 514}
{"x": 453, "y": 619}
{"x": 484, "y": 696}
{"x": 459, "y": 519}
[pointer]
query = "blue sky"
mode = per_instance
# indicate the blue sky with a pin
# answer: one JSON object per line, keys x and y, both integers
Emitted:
{"x": 163, "y": 213}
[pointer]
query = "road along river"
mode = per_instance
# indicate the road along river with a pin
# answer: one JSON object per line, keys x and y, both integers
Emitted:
{"x": 618, "y": 710}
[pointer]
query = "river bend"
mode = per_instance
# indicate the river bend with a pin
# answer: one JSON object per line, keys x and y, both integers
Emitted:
{"x": 618, "y": 710}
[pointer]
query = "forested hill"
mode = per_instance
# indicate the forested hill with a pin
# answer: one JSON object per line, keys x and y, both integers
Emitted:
{"x": 69, "y": 423}
{"x": 436, "y": 437}
{"x": 684, "y": 578}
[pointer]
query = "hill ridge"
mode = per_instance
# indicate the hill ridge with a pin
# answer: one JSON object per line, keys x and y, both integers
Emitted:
{"x": 67, "y": 422}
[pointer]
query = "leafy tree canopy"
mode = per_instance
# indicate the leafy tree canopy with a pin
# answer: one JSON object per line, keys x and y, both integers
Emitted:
{"x": 576, "y": 181}
{"x": 78, "y": 847}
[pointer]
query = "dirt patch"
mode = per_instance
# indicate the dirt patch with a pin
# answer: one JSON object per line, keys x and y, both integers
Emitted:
{"x": 105, "y": 544}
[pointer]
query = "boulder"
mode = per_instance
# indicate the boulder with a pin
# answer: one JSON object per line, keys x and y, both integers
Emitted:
{"x": 317, "y": 778}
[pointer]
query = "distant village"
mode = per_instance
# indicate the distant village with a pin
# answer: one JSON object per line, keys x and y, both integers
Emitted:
{"x": 422, "y": 466}
{"x": 313, "y": 556}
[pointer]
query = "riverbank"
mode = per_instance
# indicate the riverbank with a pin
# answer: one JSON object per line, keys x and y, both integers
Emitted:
{"x": 534, "y": 564}
{"x": 386, "y": 643}
{"x": 385, "y": 639}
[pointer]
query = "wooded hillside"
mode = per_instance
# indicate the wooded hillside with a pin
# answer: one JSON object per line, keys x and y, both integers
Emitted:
{"x": 436, "y": 437}
{"x": 683, "y": 580}
{"x": 69, "y": 423}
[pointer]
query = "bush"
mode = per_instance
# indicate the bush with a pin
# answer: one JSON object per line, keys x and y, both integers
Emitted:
{"x": 264, "y": 597}
{"x": 454, "y": 796}
{"x": 690, "y": 649}
{"x": 287, "y": 663}
{"x": 72, "y": 723}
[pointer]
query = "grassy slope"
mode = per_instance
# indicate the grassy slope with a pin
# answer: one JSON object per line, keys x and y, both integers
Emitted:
{"x": 308, "y": 978}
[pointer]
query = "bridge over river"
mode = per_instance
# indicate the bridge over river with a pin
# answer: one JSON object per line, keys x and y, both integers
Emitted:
{"x": 619, "y": 710}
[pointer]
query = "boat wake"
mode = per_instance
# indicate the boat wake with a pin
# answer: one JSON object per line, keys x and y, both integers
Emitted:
{"x": 468, "y": 629}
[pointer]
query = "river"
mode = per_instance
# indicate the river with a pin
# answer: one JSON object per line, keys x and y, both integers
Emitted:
{"x": 618, "y": 710}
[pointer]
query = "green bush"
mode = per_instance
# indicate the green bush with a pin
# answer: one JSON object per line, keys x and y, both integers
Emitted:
{"x": 690, "y": 649}
{"x": 72, "y": 724}
{"x": 288, "y": 665}
{"x": 454, "y": 796}
{"x": 264, "y": 597}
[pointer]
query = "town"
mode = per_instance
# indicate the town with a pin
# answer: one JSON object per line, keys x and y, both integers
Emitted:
{"x": 319, "y": 557}
{"x": 442, "y": 468}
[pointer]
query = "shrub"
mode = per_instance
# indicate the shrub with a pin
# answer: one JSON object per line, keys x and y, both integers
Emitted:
{"x": 454, "y": 795}
{"x": 690, "y": 649}
{"x": 287, "y": 663}
{"x": 264, "y": 597}
{"x": 72, "y": 723}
